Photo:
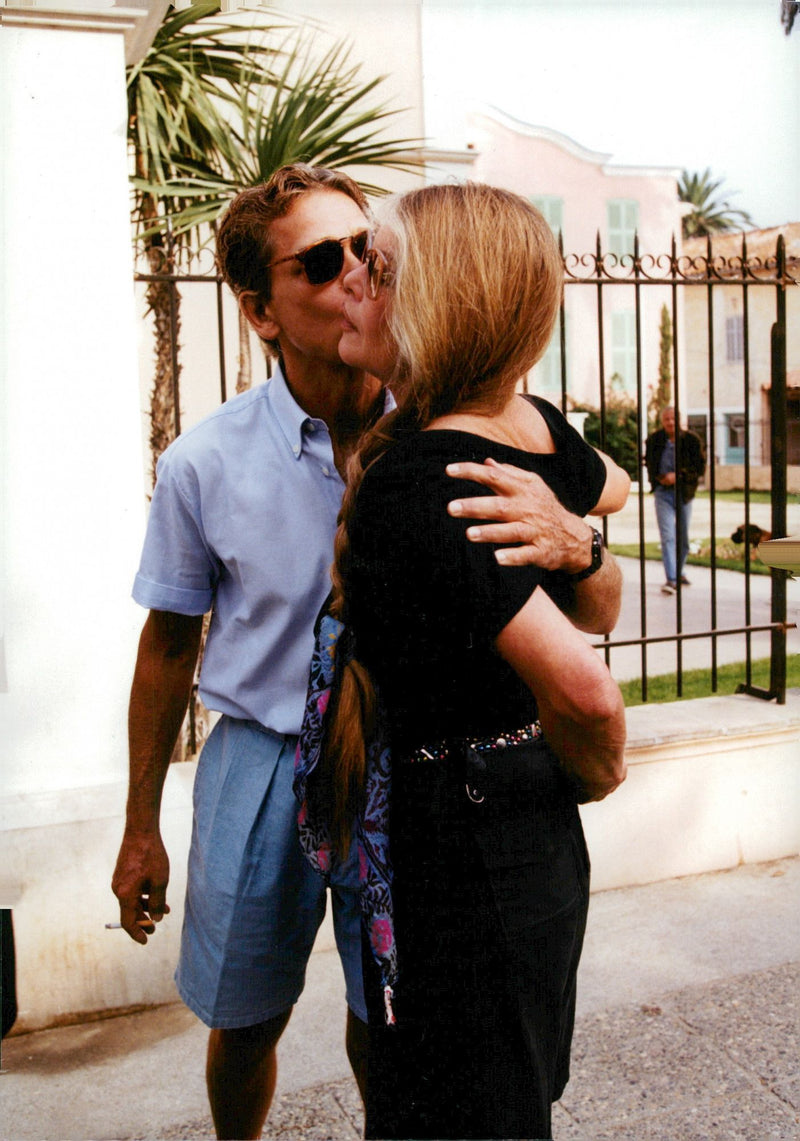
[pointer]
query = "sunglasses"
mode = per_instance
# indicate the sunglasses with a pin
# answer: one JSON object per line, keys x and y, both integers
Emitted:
{"x": 379, "y": 271}
{"x": 323, "y": 261}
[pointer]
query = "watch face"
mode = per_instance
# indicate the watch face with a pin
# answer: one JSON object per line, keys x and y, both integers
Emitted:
{"x": 597, "y": 550}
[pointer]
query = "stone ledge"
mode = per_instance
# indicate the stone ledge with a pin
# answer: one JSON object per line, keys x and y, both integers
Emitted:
{"x": 48, "y": 808}
{"x": 712, "y": 783}
{"x": 709, "y": 718}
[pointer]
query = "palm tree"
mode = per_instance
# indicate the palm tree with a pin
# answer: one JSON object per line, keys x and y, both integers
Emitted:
{"x": 177, "y": 95}
{"x": 708, "y": 215}
{"x": 315, "y": 110}
{"x": 177, "y": 99}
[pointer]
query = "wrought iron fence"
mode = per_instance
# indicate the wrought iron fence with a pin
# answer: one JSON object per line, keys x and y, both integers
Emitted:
{"x": 718, "y": 368}
{"x": 691, "y": 282}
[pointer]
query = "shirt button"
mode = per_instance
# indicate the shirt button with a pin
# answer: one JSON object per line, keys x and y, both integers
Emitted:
{"x": 326, "y": 471}
{"x": 296, "y": 449}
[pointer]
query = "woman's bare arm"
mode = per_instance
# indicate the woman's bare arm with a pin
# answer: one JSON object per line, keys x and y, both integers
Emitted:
{"x": 616, "y": 490}
{"x": 580, "y": 705}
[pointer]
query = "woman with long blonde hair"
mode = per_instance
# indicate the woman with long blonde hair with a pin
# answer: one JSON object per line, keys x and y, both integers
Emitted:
{"x": 497, "y": 716}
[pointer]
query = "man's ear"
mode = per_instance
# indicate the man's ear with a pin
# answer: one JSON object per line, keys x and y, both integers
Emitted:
{"x": 259, "y": 314}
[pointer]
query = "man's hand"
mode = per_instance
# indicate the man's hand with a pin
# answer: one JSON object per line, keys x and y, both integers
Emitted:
{"x": 522, "y": 510}
{"x": 162, "y": 683}
{"x": 140, "y": 883}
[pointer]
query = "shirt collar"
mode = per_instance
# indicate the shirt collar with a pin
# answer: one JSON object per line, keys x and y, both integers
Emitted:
{"x": 290, "y": 415}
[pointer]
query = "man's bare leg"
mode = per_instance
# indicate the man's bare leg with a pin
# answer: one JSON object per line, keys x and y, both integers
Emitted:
{"x": 356, "y": 1041}
{"x": 241, "y": 1071}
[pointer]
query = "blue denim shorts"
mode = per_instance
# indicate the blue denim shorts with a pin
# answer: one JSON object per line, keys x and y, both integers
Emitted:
{"x": 253, "y": 902}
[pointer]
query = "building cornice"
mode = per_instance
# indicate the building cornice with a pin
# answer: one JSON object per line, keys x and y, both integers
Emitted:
{"x": 577, "y": 150}
{"x": 451, "y": 157}
{"x": 137, "y": 22}
{"x": 546, "y": 133}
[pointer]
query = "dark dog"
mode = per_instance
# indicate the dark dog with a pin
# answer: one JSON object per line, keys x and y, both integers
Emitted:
{"x": 754, "y": 533}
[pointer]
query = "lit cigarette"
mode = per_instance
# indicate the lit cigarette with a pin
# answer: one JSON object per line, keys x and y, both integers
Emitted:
{"x": 139, "y": 923}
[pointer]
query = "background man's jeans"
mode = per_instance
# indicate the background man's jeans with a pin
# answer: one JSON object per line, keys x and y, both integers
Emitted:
{"x": 665, "y": 517}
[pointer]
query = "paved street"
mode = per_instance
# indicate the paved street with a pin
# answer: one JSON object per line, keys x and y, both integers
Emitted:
{"x": 696, "y": 600}
{"x": 696, "y": 615}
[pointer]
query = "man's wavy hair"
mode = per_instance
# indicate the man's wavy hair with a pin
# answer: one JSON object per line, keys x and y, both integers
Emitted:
{"x": 244, "y": 238}
{"x": 477, "y": 289}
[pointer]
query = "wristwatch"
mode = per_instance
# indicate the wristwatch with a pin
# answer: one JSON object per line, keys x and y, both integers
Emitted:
{"x": 597, "y": 558}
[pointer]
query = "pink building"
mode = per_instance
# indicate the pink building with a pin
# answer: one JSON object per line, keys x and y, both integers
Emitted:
{"x": 581, "y": 192}
{"x": 585, "y": 196}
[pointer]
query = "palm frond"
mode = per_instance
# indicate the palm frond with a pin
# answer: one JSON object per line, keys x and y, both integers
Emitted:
{"x": 708, "y": 215}
{"x": 178, "y": 94}
{"x": 211, "y": 114}
{"x": 311, "y": 111}
{"x": 313, "y": 115}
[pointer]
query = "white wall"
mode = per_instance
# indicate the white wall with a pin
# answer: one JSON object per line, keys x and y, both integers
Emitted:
{"x": 712, "y": 783}
{"x": 73, "y": 504}
{"x": 73, "y": 509}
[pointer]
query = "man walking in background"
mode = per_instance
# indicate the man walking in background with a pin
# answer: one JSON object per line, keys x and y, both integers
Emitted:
{"x": 675, "y": 464}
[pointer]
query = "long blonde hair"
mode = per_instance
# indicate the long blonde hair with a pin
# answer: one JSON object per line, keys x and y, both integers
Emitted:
{"x": 477, "y": 288}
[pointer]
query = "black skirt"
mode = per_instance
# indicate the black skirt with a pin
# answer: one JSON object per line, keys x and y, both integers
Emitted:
{"x": 490, "y": 909}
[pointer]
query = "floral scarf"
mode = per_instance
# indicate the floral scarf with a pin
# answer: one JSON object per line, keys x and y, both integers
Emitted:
{"x": 332, "y": 650}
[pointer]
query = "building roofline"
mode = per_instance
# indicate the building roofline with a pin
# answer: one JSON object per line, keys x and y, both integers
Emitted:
{"x": 790, "y": 231}
{"x": 571, "y": 146}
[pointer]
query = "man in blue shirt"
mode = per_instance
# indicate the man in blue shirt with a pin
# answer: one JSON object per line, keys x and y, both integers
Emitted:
{"x": 242, "y": 524}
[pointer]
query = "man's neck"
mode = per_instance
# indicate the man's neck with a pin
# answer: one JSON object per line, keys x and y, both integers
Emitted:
{"x": 344, "y": 398}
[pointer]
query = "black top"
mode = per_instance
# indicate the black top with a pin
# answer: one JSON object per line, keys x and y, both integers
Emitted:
{"x": 426, "y": 604}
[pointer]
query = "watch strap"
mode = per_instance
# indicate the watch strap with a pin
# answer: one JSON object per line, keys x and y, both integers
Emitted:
{"x": 597, "y": 558}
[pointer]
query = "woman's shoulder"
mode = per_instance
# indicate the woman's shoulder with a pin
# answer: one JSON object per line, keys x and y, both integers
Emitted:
{"x": 410, "y": 478}
{"x": 428, "y": 451}
{"x": 557, "y": 423}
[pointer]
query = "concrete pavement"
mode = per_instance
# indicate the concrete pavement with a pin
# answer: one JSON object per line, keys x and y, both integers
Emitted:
{"x": 687, "y": 1029}
{"x": 696, "y": 615}
{"x": 696, "y": 600}
{"x": 623, "y": 527}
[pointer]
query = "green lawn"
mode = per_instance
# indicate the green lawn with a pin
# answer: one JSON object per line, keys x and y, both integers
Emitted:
{"x": 729, "y": 555}
{"x": 697, "y": 683}
{"x": 755, "y": 496}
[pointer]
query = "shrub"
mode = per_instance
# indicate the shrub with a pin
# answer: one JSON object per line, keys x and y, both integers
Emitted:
{"x": 621, "y": 439}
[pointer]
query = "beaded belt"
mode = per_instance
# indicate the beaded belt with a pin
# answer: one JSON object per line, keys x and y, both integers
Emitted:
{"x": 480, "y": 745}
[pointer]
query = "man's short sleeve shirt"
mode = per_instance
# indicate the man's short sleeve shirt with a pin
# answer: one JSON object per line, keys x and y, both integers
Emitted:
{"x": 242, "y": 521}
